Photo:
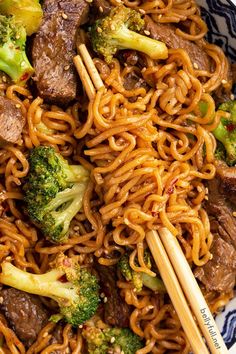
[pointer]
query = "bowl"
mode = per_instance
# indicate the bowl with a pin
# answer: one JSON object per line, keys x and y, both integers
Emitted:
{"x": 220, "y": 16}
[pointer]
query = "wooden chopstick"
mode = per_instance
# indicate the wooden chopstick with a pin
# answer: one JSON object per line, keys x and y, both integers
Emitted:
{"x": 175, "y": 292}
{"x": 87, "y": 71}
{"x": 193, "y": 293}
{"x": 84, "y": 77}
{"x": 88, "y": 61}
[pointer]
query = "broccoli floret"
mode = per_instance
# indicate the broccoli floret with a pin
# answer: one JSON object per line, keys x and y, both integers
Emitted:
{"x": 118, "y": 31}
{"x": 27, "y": 13}
{"x": 140, "y": 279}
{"x": 226, "y": 133}
{"x": 53, "y": 192}
{"x": 13, "y": 59}
{"x": 111, "y": 340}
{"x": 77, "y": 294}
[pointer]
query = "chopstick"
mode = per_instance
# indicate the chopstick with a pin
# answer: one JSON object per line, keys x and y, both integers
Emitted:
{"x": 193, "y": 293}
{"x": 175, "y": 292}
{"x": 87, "y": 71}
{"x": 166, "y": 250}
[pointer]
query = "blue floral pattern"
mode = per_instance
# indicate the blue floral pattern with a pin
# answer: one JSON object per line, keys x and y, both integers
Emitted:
{"x": 220, "y": 16}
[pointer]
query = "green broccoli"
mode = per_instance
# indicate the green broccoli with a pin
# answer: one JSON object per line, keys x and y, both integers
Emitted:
{"x": 139, "y": 278}
{"x": 118, "y": 31}
{"x": 226, "y": 134}
{"x": 13, "y": 59}
{"x": 111, "y": 340}
{"x": 54, "y": 192}
{"x": 27, "y": 13}
{"x": 75, "y": 289}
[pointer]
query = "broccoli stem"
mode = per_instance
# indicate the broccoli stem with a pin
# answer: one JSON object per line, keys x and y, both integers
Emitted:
{"x": 74, "y": 173}
{"x": 153, "y": 283}
{"x": 128, "y": 39}
{"x": 39, "y": 284}
{"x": 71, "y": 201}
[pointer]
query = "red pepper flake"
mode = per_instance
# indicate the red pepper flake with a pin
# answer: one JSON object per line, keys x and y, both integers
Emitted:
{"x": 230, "y": 127}
{"x": 24, "y": 77}
{"x": 170, "y": 190}
{"x": 63, "y": 279}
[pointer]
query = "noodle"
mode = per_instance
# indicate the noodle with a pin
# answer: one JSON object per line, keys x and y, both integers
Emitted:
{"x": 149, "y": 151}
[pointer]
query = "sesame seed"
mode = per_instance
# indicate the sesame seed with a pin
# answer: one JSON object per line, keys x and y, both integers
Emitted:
{"x": 122, "y": 352}
{"x": 8, "y": 258}
{"x": 203, "y": 90}
{"x": 63, "y": 15}
{"x": 17, "y": 36}
{"x": 207, "y": 191}
{"x": 159, "y": 16}
{"x": 81, "y": 326}
{"x": 150, "y": 307}
{"x": 99, "y": 30}
{"x": 232, "y": 96}
{"x": 76, "y": 228}
{"x": 102, "y": 295}
{"x": 112, "y": 339}
{"x": 147, "y": 33}
{"x": 206, "y": 198}
{"x": 195, "y": 65}
{"x": 199, "y": 189}
{"x": 180, "y": 142}
{"x": 143, "y": 70}
{"x": 224, "y": 81}
{"x": 101, "y": 9}
{"x": 89, "y": 1}
{"x": 113, "y": 27}
{"x": 1, "y": 300}
{"x": 142, "y": 11}
{"x": 30, "y": 97}
{"x": 105, "y": 299}
{"x": 45, "y": 334}
{"x": 211, "y": 256}
{"x": 4, "y": 79}
{"x": 67, "y": 67}
{"x": 67, "y": 350}
{"x": 22, "y": 64}
{"x": 234, "y": 214}
{"x": 17, "y": 105}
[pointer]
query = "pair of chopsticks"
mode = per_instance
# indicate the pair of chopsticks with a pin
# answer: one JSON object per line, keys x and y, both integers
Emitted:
{"x": 87, "y": 71}
{"x": 177, "y": 275}
{"x": 167, "y": 253}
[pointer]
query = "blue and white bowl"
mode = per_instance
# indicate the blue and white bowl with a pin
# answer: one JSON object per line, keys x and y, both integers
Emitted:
{"x": 220, "y": 16}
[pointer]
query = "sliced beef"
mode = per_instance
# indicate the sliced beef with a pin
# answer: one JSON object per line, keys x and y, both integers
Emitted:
{"x": 11, "y": 121}
{"x": 227, "y": 176}
{"x": 116, "y": 311}
{"x": 25, "y": 314}
{"x": 219, "y": 273}
{"x": 133, "y": 81}
{"x": 233, "y": 69}
{"x": 166, "y": 33}
{"x": 220, "y": 204}
{"x": 54, "y": 47}
{"x": 101, "y": 7}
